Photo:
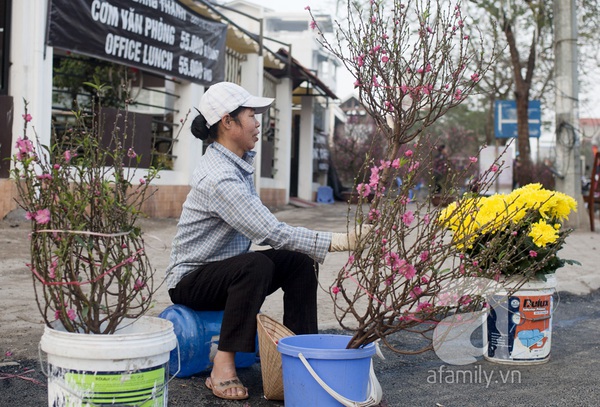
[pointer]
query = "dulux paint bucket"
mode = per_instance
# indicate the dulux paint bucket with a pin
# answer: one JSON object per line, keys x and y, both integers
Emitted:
{"x": 129, "y": 367}
{"x": 518, "y": 329}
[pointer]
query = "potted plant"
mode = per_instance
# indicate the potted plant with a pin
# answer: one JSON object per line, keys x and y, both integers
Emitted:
{"x": 92, "y": 278}
{"x": 514, "y": 238}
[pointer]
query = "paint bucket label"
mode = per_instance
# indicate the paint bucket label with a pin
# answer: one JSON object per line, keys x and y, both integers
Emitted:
{"x": 144, "y": 388}
{"x": 519, "y": 327}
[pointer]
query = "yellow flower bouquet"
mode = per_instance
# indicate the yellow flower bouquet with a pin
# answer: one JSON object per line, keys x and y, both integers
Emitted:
{"x": 515, "y": 233}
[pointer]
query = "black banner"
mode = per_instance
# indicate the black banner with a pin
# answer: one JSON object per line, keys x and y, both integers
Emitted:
{"x": 153, "y": 35}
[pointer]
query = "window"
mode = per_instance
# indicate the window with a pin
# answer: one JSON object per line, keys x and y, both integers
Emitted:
{"x": 151, "y": 101}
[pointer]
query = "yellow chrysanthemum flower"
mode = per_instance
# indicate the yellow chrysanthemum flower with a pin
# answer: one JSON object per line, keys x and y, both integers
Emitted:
{"x": 543, "y": 233}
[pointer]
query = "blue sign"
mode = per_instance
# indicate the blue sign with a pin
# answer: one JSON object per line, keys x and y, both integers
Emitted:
{"x": 505, "y": 118}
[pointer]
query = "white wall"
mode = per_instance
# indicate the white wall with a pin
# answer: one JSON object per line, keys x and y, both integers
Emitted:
{"x": 31, "y": 69}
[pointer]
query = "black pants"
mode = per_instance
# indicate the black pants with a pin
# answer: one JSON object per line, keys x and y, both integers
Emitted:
{"x": 239, "y": 286}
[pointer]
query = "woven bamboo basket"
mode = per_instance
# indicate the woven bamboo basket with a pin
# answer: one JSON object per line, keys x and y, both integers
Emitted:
{"x": 269, "y": 333}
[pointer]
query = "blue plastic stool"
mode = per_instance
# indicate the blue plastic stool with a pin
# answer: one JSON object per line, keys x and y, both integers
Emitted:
{"x": 325, "y": 195}
{"x": 198, "y": 338}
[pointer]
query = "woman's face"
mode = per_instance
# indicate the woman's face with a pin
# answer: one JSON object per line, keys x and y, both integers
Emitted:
{"x": 241, "y": 134}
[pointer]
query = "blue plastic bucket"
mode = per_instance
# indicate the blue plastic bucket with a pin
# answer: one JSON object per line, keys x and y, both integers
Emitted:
{"x": 346, "y": 371}
{"x": 198, "y": 337}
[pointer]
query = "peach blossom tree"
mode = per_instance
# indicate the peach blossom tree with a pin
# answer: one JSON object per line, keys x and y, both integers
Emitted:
{"x": 412, "y": 61}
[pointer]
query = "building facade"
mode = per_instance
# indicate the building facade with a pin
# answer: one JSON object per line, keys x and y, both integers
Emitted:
{"x": 165, "y": 68}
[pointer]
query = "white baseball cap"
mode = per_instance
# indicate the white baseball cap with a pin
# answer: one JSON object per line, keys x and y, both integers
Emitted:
{"x": 224, "y": 97}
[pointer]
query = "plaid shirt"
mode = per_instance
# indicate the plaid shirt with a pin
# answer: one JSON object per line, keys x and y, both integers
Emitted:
{"x": 223, "y": 215}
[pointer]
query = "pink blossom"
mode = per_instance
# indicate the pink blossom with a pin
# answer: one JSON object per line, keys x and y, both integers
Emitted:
{"x": 414, "y": 166}
{"x": 396, "y": 163}
{"x": 71, "y": 314}
{"x": 465, "y": 300}
{"x": 475, "y": 77}
{"x": 427, "y": 219}
{"x": 514, "y": 233}
{"x": 68, "y": 156}
{"x": 139, "y": 284}
{"x": 385, "y": 58}
{"x": 313, "y": 24}
{"x": 25, "y": 147}
{"x": 374, "y": 179}
{"x": 408, "y": 270}
{"x": 408, "y": 153}
{"x": 458, "y": 94}
{"x": 307, "y": 8}
{"x": 360, "y": 60}
{"x": 416, "y": 292}
{"x": 408, "y": 217}
{"x": 375, "y": 49}
{"x": 44, "y": 177}
{"x": 424, "y": 255}
{"x": 494, "y": 168}
{"x": 473, "y": 159}
{"x": 375, "y": 81}
{"x": 52, "y": 270}
{"x": 388, "y": 105}
{"x": 385, "y": 164}
{"x": 532, "y": 253}
{"x": 374, "y": 214}
{"x": 364, "y": 190}
{"x": 29, "y": 215}
{"x": 423, "y": 306}
{"x": 335, "y": 290}
{"x": 424, "y": 280}
{"x": 131, "y": 153}
{"x": 8, "y": 353}
{"x": 356, "y": 83}
{"x": 393, "y": 259}
{"x": 42, "y": 216}
{"x": 56, "y": 166}
{"x": 142, "y": 181}
{"x": 57, "y": 314}
{"x": 27, "y": 117}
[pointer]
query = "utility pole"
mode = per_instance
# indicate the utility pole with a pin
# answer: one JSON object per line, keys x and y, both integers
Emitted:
{"x": 568, "y": 143}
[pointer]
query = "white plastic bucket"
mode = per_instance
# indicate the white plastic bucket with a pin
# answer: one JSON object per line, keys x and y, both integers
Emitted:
{"x": 129, "y": 367}
{"x": 518, "y": 329}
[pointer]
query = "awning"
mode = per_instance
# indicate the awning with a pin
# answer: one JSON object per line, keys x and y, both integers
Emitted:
{"x": 304, "y": 82}
{"x": 237, "y": 39}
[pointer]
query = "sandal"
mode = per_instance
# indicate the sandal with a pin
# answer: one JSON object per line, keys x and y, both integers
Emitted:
{"x": 220, "y": 388}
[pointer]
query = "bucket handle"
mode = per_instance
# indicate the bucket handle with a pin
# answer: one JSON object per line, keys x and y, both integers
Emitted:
{"x": 374, "y": 389}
